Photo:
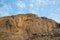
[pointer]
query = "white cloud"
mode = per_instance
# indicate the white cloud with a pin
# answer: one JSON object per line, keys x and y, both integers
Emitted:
{"x": 19, "y": 13}
{"x": 35, "y": 12}
{"x": 4, "y": 11}
{"x": 42, "y": 9}
{"x": 45, "y": 2}
{"x": 31, "y": 5}
{"x": 21, "y": 4}
{"x": 42, "y": 2}
{"x": 55, "y": 16}
{"x": 53, "y": 2}
{"x": 58, "y": 9}
{"x": 3, "y": 14}
{"x": 1, "y": 1}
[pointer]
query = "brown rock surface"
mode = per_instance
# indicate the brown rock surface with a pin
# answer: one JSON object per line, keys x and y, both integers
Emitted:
{"x": 24, "y": 26}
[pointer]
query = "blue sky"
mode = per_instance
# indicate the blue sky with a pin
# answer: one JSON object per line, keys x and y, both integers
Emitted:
{"x": 47, "y": 8}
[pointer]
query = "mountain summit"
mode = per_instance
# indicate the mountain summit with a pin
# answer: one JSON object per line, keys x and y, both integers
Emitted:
{"x": 25, "y": 27}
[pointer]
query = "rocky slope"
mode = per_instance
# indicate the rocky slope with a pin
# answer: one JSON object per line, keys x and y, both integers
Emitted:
{"x": 26, "y": 27}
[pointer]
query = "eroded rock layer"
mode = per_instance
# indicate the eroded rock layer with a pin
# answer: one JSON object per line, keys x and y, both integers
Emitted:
{"x": 24, "y": 26}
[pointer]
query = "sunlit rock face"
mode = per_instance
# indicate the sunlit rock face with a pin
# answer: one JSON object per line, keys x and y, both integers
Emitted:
{"x": 24, "y": 26}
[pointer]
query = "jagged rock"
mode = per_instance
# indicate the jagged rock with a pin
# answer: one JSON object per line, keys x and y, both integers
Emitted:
{"x": 24, "y": 26}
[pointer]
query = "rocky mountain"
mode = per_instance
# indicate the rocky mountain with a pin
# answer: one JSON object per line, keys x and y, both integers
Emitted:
{"x": 26, "y": 27}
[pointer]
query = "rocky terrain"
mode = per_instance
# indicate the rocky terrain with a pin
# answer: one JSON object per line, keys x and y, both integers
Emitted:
{"x": 28, "y": 27}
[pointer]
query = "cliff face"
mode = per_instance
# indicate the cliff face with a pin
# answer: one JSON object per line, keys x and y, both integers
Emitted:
{"x": 23, "y": 26}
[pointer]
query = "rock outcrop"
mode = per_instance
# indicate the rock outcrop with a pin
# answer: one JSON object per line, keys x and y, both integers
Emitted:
{"x": 24, "y": 26}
